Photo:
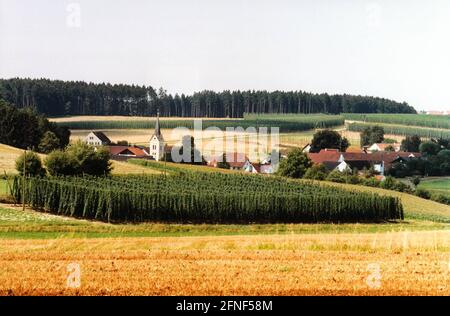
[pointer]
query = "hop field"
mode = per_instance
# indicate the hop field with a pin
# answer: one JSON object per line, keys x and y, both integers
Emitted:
{"x": 403, "y": 130}
{"x": 433, "y": 121}
{"x": 286, "y": 123}
{"x": 205, "y": 198}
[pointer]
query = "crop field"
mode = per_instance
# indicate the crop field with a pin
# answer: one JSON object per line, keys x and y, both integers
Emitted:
{"x": 286, "y": 123}
{"x": 433, "y": 121}
{"x": 436, "y": 185}
{"x": 402, "y": 263}
{"x": 403, "y": 130}
{"x": 205, "y": 197}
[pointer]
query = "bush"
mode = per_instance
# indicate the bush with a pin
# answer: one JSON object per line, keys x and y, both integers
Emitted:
{"x": 49, "y": 142}
{"x": 79, "y": 158}
{"x": 388, "y": 183}
{"x": 295, "y": 165}
{"x": 401, "y": 187}
{"x": 423, "y": 194}
{"x": 352, "y": 179}
{"x": 33, "y": 164}
{"x": 60, "y": 163}
{"x": 440, "y": 198}
{"x": 336, "y": 176}
{"x": 317, "y": 172}
{"x": 371, "y": 182}
{"x": 416, "y": 180}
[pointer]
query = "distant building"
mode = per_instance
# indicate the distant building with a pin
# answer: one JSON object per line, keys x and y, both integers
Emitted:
{"x": 127, "y": 152}
{"x": 379, "y": 160}
{"x": 97, "y": 139}
{"x": 239, "y": 161}
{"x": 157, "y": 143}
{"x": 383, "y": 147}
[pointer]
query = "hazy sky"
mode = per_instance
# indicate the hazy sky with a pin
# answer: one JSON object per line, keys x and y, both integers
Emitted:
{"x": 394, "y": 49}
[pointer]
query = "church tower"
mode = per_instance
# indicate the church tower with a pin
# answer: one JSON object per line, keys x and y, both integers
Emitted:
{"x": 157, "y": 142}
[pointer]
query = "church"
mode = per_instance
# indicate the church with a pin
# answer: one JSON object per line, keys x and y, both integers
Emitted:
{"x": 157, "y": 143}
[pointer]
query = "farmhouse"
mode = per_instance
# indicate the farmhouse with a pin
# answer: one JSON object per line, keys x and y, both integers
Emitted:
{"x": 97, "y": 139}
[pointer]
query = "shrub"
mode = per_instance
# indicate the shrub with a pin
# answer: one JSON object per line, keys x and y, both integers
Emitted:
{"x": 49, "y": 142}
{"x": 79, "y": 158}
{"x": 416, "y": 180}
{"x": 423, "y": 193}
{"x": 336, "y": 176}
{"x": 440, "y": 198}
{"x": 60, "y": 163}
{"x": 33, "y": 164}
{"x": 388, "y": 183}
{"x": 317, "y": 172}
{"x": 371, "y": 182}
{"x": 352, "y": 179}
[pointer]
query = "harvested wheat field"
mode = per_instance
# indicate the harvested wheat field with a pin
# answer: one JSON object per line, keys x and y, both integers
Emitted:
{"x": 405, "y": 263}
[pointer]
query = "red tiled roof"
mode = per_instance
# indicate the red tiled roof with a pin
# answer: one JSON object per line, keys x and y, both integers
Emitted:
{"x": 324, "y": 155}
{"x": 127, "y": 150}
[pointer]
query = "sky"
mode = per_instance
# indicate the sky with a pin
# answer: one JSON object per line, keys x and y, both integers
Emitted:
{"x": 394, "y": 49}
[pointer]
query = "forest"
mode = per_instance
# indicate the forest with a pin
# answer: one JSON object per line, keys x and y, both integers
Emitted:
{"x": 63, "y": 98}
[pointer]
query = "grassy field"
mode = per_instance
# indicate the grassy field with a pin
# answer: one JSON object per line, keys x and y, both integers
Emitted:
{"x": 403, "y": 263}
{"x": 30, "y": 224}
{"x": 436, "y": 185}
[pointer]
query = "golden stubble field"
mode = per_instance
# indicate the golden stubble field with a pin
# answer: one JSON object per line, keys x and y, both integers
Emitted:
{"x": 405, "y": 263}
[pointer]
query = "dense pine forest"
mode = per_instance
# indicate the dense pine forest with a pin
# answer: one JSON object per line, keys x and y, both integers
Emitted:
{"x": 60, "y": 98}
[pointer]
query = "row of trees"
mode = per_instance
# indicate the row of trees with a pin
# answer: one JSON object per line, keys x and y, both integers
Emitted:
{"x": 435, "y": 160}
{"x": 59, "y": 98}
{"x": 23, "y": 128}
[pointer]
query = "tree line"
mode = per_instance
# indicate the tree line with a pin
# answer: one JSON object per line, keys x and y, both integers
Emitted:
{"x": 23, "y": 128}
{"x": 60, "y": 98}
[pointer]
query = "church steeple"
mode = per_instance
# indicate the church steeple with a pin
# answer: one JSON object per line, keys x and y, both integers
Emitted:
{"x": 157, "y": 128}
{"x": 157, "y": 144}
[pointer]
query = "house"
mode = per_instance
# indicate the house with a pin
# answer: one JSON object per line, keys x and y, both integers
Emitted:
{"x": 239, "y": 161}
{"x": 126, "y": 152}
{"x": 383, "y": 147}
{"x": 325, "y": 155}
{"x": 97, "y": 139}
{"x": 157, "y": 143}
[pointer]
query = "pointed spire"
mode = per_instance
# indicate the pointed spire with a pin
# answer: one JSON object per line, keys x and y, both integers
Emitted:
{"x": 157, "y": 128}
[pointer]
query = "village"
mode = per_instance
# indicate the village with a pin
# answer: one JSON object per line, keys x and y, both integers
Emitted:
{"x": 380, "y": 157}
